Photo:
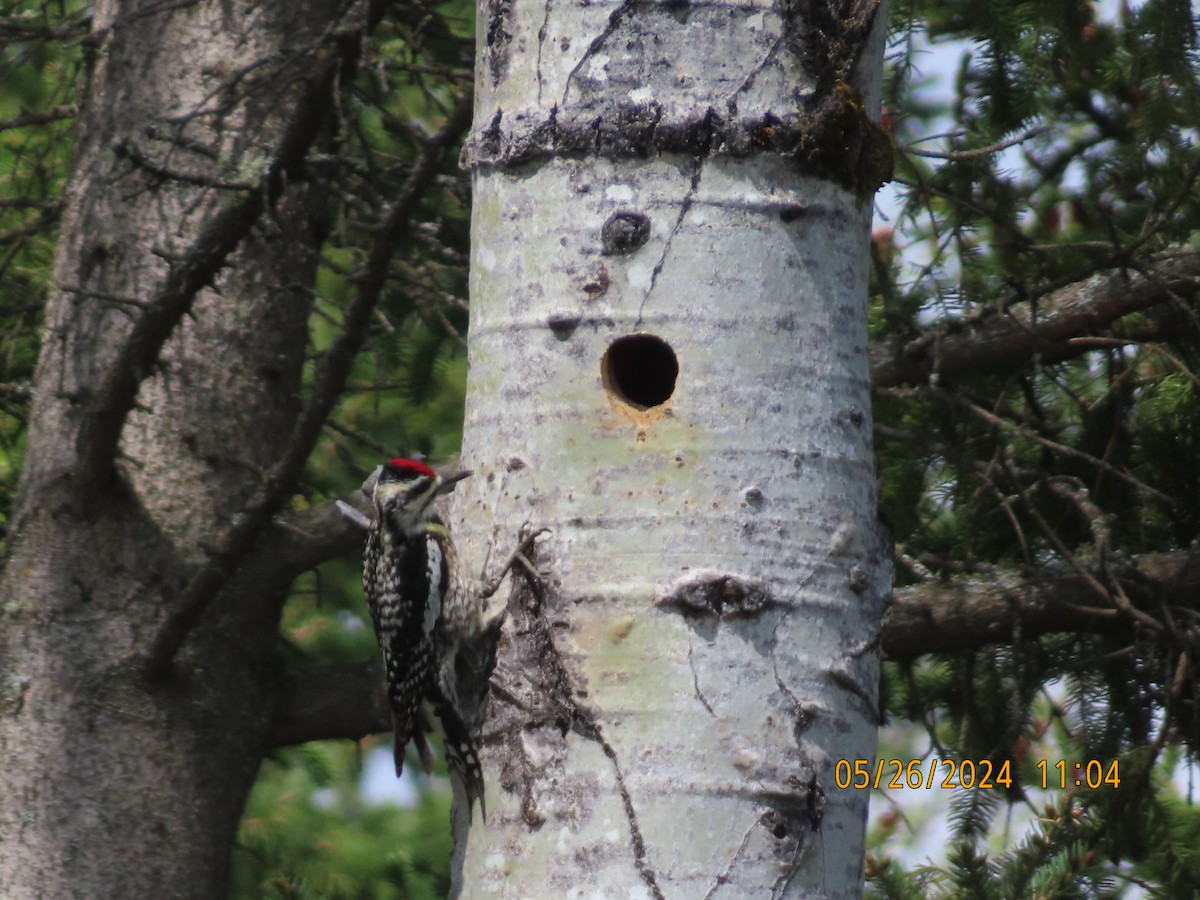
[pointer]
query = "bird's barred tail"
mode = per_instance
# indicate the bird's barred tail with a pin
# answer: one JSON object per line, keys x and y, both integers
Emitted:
{"x": 404, "y": 695}
{"x": 400, "y": 738}
{"x": 462, "y": 755}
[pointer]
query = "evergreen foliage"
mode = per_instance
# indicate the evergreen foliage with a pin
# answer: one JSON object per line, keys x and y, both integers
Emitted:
{"x": 1068, "y": 153}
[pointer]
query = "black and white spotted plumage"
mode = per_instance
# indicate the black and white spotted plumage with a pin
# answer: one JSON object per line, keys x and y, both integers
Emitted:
{"x": 422, "y": 610}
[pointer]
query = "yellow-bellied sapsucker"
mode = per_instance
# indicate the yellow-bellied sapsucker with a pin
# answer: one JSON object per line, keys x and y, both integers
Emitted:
{"x": 423, "y": 610}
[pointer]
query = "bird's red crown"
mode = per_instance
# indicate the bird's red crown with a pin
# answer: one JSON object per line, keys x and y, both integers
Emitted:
{"x": 409, "y": 467}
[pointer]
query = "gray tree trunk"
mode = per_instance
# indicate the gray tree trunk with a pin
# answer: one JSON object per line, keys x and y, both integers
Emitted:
{"x": 136, "y": 669}
{"x": 668, "y": 369}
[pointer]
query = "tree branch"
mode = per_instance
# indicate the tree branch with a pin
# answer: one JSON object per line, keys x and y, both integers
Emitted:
{"x": 42, "y": 117}
{"x": 1046, "y": 328}
{"x": 293, "y": 545}
{"x": 958, "y": 615}
{"x": 328, "y": 385}
{"x": 344, "y": 701}
{"x": 16, "y": 28}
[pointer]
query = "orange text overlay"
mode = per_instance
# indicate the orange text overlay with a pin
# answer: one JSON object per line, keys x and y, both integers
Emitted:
{"x": 967, "y": 774}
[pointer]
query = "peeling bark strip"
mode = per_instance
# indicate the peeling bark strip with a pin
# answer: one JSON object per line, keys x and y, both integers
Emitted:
{"x": 837, "y": 141}
{"x": 614, "y": 100}
{"x": 548, "y": 696}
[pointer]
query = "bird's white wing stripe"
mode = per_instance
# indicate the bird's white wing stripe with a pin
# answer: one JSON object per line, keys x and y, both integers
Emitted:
{"x": 433, "y": 603}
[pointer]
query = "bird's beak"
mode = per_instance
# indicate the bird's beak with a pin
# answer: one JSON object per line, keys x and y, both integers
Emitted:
{"x": 448, "y": 482}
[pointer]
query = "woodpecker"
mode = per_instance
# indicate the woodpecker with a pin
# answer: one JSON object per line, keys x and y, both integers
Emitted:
{"x": 423, "y": 611}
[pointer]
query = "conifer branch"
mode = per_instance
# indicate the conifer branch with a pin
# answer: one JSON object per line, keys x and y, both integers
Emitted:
{"x": 1050, "y": 329}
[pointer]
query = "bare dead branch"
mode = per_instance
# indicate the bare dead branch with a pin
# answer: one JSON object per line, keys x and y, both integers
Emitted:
{"x": 22, "y": 29}
{"x": 1179, "y": 365}
{"x": 956, "y": 155}
{"x": 1030, "y": 434}
{"x": 129, "y": 151}
{"x": 30, "y": 203}
{"x": 955, "y": 455}
{"x": 26, "y": 119}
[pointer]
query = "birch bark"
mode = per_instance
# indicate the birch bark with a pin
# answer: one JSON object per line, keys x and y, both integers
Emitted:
{"x": 668, "y": 369}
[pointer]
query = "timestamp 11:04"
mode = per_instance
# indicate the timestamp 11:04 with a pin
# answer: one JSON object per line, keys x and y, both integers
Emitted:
{"x": 1093, "y": 773}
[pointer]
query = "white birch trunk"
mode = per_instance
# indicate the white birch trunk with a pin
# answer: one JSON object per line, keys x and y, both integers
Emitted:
{"x": 666, "y": 716}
